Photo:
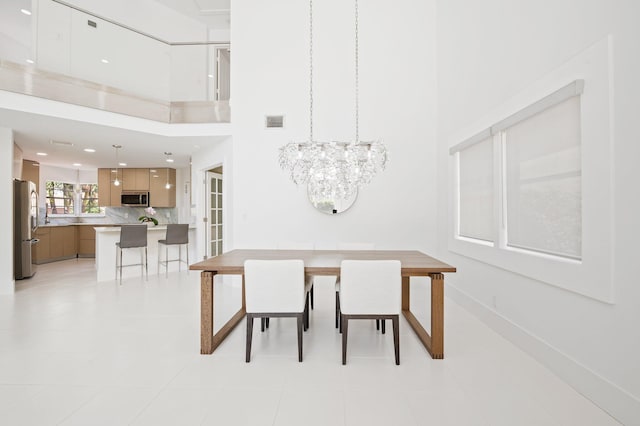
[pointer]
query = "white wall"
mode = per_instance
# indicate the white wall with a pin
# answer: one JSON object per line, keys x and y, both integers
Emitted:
{"x": 397, "y": 88}
{"x": 6, "y": 214}
{"x": 488, "y": 53}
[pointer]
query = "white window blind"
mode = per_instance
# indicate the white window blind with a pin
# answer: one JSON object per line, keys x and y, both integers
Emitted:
{"x": 543, "y": 181}
{"x": 476, "y": 191}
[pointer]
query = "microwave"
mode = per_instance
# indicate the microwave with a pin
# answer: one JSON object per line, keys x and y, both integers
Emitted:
{"x": 134, "y": 199}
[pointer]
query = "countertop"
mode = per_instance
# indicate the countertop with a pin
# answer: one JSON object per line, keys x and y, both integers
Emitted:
{"x": 113, "y": 228}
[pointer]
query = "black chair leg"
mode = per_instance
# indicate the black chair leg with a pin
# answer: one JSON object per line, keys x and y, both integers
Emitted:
{"x": 396, "y": 337}
{"x": 311, "y": 291}
{"x": 337, "y": 309}
{"x": 377, "y": 324}
{"x": 249, "y": 335}
{"x": 383, "y": 326}
{"x": 262, "y": 324}
{"x": 344, "y": 325}
{"x": 305, "y": 314}
{"x": 300, "y": 327}
{"x": 266, "y": 322}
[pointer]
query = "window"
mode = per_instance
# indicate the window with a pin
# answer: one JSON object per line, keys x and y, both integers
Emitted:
{"x": 543, "y": 181}
{"x": 539, "y": 199}
{"x": 59, "y": 198}
{"x": 89, "y": 198}
{"x": 476, "y": 193}
{"x": 72, "y": 199}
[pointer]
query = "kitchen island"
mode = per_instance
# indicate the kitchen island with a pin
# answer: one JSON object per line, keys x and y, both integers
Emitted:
{"x": 107, "y": 237}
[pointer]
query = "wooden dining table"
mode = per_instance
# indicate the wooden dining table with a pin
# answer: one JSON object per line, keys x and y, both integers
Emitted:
{"x": 326, "y": 262}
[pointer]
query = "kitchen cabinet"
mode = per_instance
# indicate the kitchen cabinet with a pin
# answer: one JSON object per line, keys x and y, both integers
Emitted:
{"x": 86, "y": 241}
{"x": 159, "y": 195}
{"x": 108, "y": 193}
{"x": 56, "y": 243}
{"x": 135, "y": 179}
{"x": 41, "y": 249}
{"x": 31, "y": 172}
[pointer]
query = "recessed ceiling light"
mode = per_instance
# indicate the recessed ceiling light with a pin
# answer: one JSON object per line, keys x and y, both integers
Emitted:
{"x": 77, "y": 164}
{"x": 122, "y": 164}
{"x": 104, "y": 61}
{"x": 30, "y": 61}
{"x": 41, "y": 154}
{"x": 26, "y": 12}
{"x": 89, "y": 150}
{"x": 169, "y": 160}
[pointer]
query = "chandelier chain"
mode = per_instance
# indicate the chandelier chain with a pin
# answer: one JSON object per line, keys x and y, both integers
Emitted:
{"x": 310, "y": 70}
{"x": 357, "y": 78}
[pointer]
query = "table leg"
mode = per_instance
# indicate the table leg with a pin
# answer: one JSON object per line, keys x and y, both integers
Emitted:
{"x": 406, "y": 294}
{"x": 434, "y": 342}
{"x": 437, "y": 316}
{"x": 206, "y": 312}
{"x": 208, "y": 340}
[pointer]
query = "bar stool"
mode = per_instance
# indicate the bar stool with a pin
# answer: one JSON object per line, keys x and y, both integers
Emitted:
{"x": 177, "y": 234}
{"x": 132, "y": 236}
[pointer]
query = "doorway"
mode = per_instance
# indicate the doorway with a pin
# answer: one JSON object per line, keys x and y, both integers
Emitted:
{"x": 214, "y": 216}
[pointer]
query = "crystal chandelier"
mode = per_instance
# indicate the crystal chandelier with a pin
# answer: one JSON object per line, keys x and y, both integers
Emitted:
{"x": 332, "y": 170}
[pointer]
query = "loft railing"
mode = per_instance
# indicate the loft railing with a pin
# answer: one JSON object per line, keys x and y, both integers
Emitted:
{"x": 73, "y": 56}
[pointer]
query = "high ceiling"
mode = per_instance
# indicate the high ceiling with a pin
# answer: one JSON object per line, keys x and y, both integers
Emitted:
{"x": 214, "y": 13}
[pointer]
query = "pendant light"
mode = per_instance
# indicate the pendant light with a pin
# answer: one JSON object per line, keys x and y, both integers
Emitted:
{"x": 116, "y": 182}
{"x": 333, "y": 170}
{"x": 168, "y": 159}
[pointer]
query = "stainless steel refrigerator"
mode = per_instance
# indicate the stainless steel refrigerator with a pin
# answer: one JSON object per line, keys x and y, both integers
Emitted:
{"x": 25, "y": 219}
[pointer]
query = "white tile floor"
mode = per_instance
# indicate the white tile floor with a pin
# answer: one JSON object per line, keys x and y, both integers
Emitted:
{"x": 77, "y": 352}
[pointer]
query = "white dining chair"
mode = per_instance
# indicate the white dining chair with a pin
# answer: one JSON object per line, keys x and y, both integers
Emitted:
{"x": 370, "y": 289}
{"x": 275, "y": 288}
{"x": 351, "y": 246}
{"x": 132, "y": 236}
{"x": 295, "y": 245}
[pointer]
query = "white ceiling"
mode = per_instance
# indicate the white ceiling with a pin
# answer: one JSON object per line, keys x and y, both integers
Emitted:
{"x": 214, "y": 13}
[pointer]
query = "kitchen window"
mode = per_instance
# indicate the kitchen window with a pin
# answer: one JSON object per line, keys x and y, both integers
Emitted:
{"x": 89, "y": 198}
{"x": 71, "y": 199}
{"x": 59, "y": 198}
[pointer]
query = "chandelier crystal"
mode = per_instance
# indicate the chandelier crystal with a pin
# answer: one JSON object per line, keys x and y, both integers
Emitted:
{"x": 332, "y": 170}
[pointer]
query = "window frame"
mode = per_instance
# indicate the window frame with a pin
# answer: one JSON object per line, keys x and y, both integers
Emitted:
{"x": 592, "y": 275}
{"x": 47, "y": 198}
{"x": 76, "y": 197}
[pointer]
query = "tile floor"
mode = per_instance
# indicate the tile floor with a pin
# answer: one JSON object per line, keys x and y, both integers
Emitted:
{"x": 77, "y": 352}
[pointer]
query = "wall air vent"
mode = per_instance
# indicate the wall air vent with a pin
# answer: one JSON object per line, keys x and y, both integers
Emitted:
{"x": 92, "y": 23}
{"x": 60, "y": 143}
{"x": 274, "y": 121}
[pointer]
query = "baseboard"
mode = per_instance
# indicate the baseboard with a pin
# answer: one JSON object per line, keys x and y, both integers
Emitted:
{"x": 620, "y": 404}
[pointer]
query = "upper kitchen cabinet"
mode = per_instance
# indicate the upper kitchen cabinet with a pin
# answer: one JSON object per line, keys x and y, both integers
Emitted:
{"x": 108, "y": 193}
{"x": 135, "y": 179}
{"x": 131, "y": 179}
{"x": 159, "y": 194}
{"x": 31, "y": 172}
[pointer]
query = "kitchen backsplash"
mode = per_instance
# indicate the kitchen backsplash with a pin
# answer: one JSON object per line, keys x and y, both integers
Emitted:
{"x": 113, "y": 215}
